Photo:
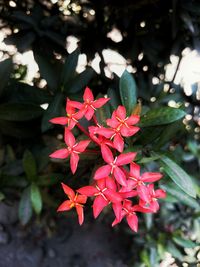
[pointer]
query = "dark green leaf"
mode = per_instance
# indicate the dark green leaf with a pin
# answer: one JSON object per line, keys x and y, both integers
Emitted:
{"x": 161, "y": 116}
{"x": 69, "y": 67}
{"x": 179, "y": 196}
{"x": 5, "y": 71}
{"x": 19, "y": 112}
{"x": 53, "y": 110}
{"x": 172, "y": 249}
{"x": 128, "y": 91}
{"x": 29, "y": 165}
{"x": 25, "y": 207}
{"x": 48, "y": 71}
{"x": 178, "y": 175}
{"x": 184, "y": 242}
{"x": 80, "y": 81}
{"x": 36, "y": 198}
{"x": 113, "y": 94}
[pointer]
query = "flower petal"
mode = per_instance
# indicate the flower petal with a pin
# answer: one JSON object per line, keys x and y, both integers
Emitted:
{"x": 87, "y": 190}
{"x": 133, "y": 119}
{"x": 81, "y": 199}
{"x": 89, "y": 113}
{"x": 79, "y": 210}
{"x": 108, "y": 133}
{"x": 151, "y": 176}
{"x": 59, "y": 120}
{"x": 126, "y": 158}
{"x": 110, "y": 183}
{"x": 159, "y": 193}
{"x": 107, "y": 154}
{"x": 118, "y": 142}
{"x": 65, "y": 206}
{"x": 129, "y": 131}
{"x": 113, "y": 196}
{"x": 100, "y": 102}
{"x": 117, "y": 208}
{"x": 74, "y": 159}
{"x": 132, "y": 221}
{"x": 60, "y": 154}
{"x": 134, "y": 170}
{"x": 143, "y": 193}
{"x": 99, "y": 204}
{"x": 121, "y": 112}
{"x": 81, "y": 146}
{"x": 88, "y": 95}
{"x": 120, "y": 176}
{"x": 69, "y": 138}
{"x": 102, "y": 172}
{"x": 68, "y": 191}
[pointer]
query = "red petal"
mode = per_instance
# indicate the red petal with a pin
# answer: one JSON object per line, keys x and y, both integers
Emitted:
{"x": 74, "y": 159}
{"x": 79, "y": 210}
{"x": 133, "y": 120}
{"x": 124, "y": 159}
{"x": 108, "y": 133}
{"x": 87, "y": 190}
{"x": 113, "y": 123}
{"x": 69, "y": 138}
{"x": 60, "y": 154}
{"x": 118, "y": 142}
{"x": 107, "y": 154}
{"x": 129, "y": 131}
{"x": 99, "y": 204}
{"x": 151, "y": 176}
{"x": 59, "y": 120}
{"x": 110, "y": 183}
{"x": 121, "y": 112}
{"x": 120, "y": 176}
{"x": 66, "y": 205}
{"x": 128, "y": 194}
{"x": 89, "y": 113}
{"x": 81, "y": 199}
{"x": 159, "y": 193}
{"x": 141, "y": 209}
{"x": 127, "y": 204}
{"x": 71, "y": 105}
{"x": 143, "y": 193}
{"x": 101, "y": 183}
{"x": 113, "y": 196}
{"x": 154, "y": 206}
{"x": 88, "y": 95}
{"x": 100, "y": 102}
{"x": 102, "y": 172}
{"x": 132, "y": 221}
{"x": 117, "y": 208}
{"x": 68, "y": 191}
{"x": 134, "y": 170}
{"x": 81, "y": 146}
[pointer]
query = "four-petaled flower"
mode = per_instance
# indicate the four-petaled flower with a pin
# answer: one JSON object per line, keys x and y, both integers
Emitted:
{"x": 104, "y": 192}
{"x": 90, "y": 105}
{"x": 120, "y": 126}
{"x": 75, "y": 201}
{"x": 114, "y": 164}
{"x": 72, "y": 150}
{"x": 72, "y": 116}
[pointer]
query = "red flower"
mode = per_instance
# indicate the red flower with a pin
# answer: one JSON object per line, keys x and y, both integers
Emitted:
{"x": 100, "y": 139}
{"x": 128, "y": 211}
{"x": 120, "y": 126}
{"x": 75, "y": 201}
{"x": 150, "y": 201}
{"x": 113, "y": 165}
{"x": 73, "y": 149}
{"x": 138, "y": 181}
{"x": 90, "y": 105}
{"x": 72, "y": 116}
{"x": 104, "y": 191}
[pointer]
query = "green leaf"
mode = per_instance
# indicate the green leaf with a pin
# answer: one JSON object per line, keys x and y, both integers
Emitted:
{"x": 184, "y": 242}
{"x": 25, "y": 207}
{"x": 48, "y": 71}
{"x": 178, "y": 175}
{"x": 128, "y": 91}
{"x": 172, "y": 249}
{"x": 19, "y": 112}
{"x": 2, "y": 196}
{"x": 29, "y": 165}
{"x": 114, "y": 98}
{"x": 36, "y": 198}
{"x": 80, "y": 81}
{"x": 53, "y": 110}
{"x": 161, "y": 116}
{"x": 69, "y": 67}
{"x": 5, "y": 71}
{"x": 179, "y": 196}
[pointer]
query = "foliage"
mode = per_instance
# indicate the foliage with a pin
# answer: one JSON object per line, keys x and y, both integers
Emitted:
{"x": 151, "y": 32}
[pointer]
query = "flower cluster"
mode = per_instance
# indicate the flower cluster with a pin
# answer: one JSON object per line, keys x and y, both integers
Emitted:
{"x": 118, "y": 182}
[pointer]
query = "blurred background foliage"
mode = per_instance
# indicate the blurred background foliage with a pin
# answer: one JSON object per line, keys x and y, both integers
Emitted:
{"x": 70, "y": 44}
